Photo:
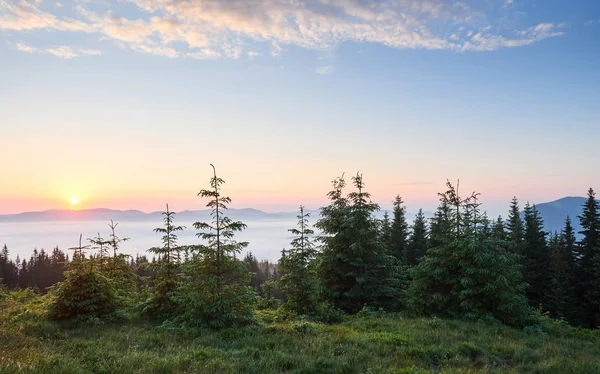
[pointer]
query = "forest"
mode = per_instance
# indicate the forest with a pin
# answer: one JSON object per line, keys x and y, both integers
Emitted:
{"x": 459, "y": 292}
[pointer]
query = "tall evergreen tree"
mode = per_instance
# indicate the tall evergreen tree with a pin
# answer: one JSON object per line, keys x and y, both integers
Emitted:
{"x": 440, "y": 232}
{"x": 166, "y": 268}
{"x": 589, "y": 275}
{"x": 561, "y": 293}
{"x": 386, "y": 230}
{"x": 418, "y": 243}
{"x": 515, "y": 228}
{"x": 217, "y": 293}
{"x": 355, "y": 267}
{"x": 299, "y": 283}
{"x": 399, "y": 231}
{"x": 471, "y": 276}
{"x": 538, "y": 262}
{"x": 498, "y": 229}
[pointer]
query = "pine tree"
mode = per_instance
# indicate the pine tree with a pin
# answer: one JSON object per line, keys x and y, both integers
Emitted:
{"x": 165, "y": 282}
{"x": 355, "y": 267}
{"x": 472, "y": 276}
{"x": 589, "y": 274}
{"x": 386, "y": 230}
{"x": 440, "y": 232}
{"x": 418, "y": 243}
{"x": 515, "y": 228}
{"x": 217, "y": 293}
{"x": 299, "y": 283}
{"x": 399, "y": 231}
{"x": 538, "y": 262}
{"x": 498, "y": 229}
{"x": 561, "y": 294}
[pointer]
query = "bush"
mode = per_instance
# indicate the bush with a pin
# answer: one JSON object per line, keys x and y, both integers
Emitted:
{"x": 84, "y": 294}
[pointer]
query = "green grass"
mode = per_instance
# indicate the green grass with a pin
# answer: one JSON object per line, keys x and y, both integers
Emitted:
{"x": 30, "y": 344}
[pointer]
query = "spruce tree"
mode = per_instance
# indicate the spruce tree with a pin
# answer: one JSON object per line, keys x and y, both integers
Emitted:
{"x": 161, "y": 303}
{"x": 299, "y": 283}
{"x": 417, "y": 243}
{"x": 217, "y": 293}
{"x": 498, "y": 229}
{"x": 440, "y": 232}
{"x": 471, "y": 276}
{"x": 399, "y": 231}
{"x": 515, "y": 228}
{"x": 589, "y": 274}
{"x": 386, "y": 230}
{"x": 538, "y": 262}
{"x": 355, "y": 266}
{"x": 561, "y": 293}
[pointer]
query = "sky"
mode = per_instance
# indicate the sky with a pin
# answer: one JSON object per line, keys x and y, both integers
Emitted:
{"x": 123, "y": 104}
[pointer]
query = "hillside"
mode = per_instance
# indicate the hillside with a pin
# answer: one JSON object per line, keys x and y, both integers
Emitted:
{"x": 367, "y": 343}
{"x": 554, "y": 213}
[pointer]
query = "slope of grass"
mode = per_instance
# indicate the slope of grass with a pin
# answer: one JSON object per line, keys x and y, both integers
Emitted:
{"x": 369, "y": 344}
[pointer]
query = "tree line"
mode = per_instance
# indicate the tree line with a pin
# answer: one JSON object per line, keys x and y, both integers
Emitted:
{"x": 458, "y": 264}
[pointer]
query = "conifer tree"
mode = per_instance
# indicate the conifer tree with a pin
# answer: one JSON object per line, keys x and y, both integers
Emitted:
{"x": 472, "y": 276}
{"x": 440, "y": 232}
{"x": 386, "y": 230}
{"x": 417, "y": 244}
{"x": 537, "y": 259}
{"x": 100, "y": 245}
{"x": 217, "y": 294}
{"x": 355, "y": 267}
{"x": 561, "y": 293}
{"x": 85, "y": 293}
{"x": 299, "y": 283}
{"x": 161, "y": 303}
{"x": 515, "y": 228}
{"x": 399, "y": 231}
{"x": 498, "y": 229}
{"x": 589, "y": 274}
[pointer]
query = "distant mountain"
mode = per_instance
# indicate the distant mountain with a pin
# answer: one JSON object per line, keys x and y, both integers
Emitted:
{"x": 554, "y": 213}
{"x": 102, "y": 214}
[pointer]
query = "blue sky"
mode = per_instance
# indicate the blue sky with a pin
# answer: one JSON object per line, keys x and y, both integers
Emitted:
{"x": 103, "y": 99}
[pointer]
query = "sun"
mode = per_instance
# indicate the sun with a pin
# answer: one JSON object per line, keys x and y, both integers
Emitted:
{"x": 74, "y": 200}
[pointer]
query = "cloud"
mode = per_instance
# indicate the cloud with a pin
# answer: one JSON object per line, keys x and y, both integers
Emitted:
{"x": 508, "y": 3}
{"x": 324, "y": 70}
{"x": 25, "y": 48}
{"x": 63, "y": 51}
{"x": 235, "y": 28}
{"x": 592, "y": 22}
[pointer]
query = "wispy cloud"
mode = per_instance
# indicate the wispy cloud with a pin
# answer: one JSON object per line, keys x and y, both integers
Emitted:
{"x": 25, "y": 48}
{"x": 592, "y": 22}
{"x": 325, "y": 70}
{"x": 63, "y": 51}
{"x": 236, "y": 28}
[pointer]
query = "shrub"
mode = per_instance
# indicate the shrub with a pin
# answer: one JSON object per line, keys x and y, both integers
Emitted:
{"x": 84, "y": 294}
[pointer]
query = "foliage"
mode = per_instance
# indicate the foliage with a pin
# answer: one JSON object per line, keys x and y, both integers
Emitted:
{"x": 85, "y": 293}
{"x": 299, "y": 282}
{"x": 538, "y": 262}
{"x": 589, "y": 261}
{"x": 355, "y": 266}
{"x": 472, "y": 276}
{"x": 216, "y": 292}
{"x": 398, "y": 241}
{"x": 418, "y": 241}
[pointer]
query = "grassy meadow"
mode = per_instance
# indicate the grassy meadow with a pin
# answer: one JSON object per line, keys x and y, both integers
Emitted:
{"x": 365, "y": 343}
